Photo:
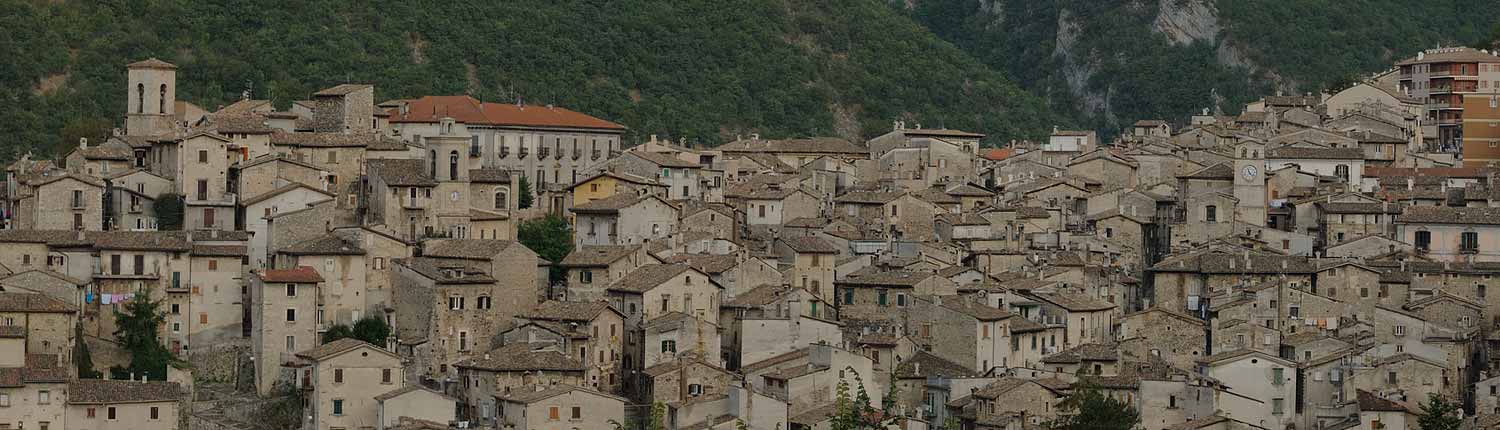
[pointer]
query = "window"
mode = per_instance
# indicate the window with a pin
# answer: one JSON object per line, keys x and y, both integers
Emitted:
{"x": 202, "y": 156}
{"x": 291, "y": 290}
{"x": 4, "y": 400}
{"x": 848, "y": 296}
{"x": 140, "y": 104}
{"x": 155, "y": 414}
{"x": 552, "y": 413}
{"x": 1211, "y": 213}
{"x": 900, "y": 300}
{"x": 502, "y": 199}
{"x": 379, "y": 263}
{"x": 984, "y": 331}
{"x": 291, "y": 315}
{"x": 333, "y": 157}
{"x": 881, "y": 300}
{"x": 1424, "y": 240}
{"x": 586, "y": 276}
{"x": 77, "y": 198}
{"x": 176, "y": 308}
{"x": 577, "y": 413}
{"x": 385, "y": 376}
{"x": 161, "y": 100}
{"x": 453, "y": 165}
{"x": 1277, "y": 407}
{"x": 463, "y": 341}
{"x": 669, "y": 347}
{"x": 338, "y": 407}
{"x": 208, "y": 217}
{"x": 1390, "y": 377}
{"x": 1278, "y": 376}
{"x": 893, "y": 210}
{"x": 91, "y": 412}
{"x": 1469, "y": 242}
{"x": 110, "y": 413}
{"x": 43, "y": 397}
{"x": 213, "y": 264}
{"x": 1399, "y": 330}
{"x": 338, "y": 376}
{"x": 484, "y": 302}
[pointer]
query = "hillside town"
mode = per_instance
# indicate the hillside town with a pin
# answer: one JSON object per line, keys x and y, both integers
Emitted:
{"x": 1314, "y": 262}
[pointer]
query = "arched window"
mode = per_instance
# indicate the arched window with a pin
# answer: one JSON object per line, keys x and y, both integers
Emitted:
{"x": 432, "y": 168}
{"x": 161, "y": 102}
{"x": 140, "y": 98}
{"x": 453, "y": 165}
{"x": 502, "y": 199}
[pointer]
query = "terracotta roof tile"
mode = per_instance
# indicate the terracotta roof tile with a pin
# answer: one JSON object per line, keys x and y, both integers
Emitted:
{"x": 521, "y": 357}
{"x": 647, "y": 277}
{"x": 597, "y": 255}
{"x": 108, "y": 391}
{"x": 33, "y": 303}
{"x": 299, "y": 275}
{"x": 467, "y": 110}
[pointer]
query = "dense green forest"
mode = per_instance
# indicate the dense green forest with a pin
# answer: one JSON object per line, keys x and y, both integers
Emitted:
{"x": 707, "y": 70}
{"x": 700, "y": 70}
{"x": 1257, "y": 47}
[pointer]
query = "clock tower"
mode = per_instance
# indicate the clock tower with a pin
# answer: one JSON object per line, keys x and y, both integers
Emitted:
{"x": 1250, "y": 182}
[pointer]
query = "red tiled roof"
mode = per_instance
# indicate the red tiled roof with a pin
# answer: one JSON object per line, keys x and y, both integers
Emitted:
{"x": 997, "y": 154}
{"x": 301, "y": 275}
{"x": 468, "y": 110}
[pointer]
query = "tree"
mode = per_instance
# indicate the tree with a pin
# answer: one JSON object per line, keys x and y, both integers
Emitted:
{"x": 168, "y": 208}
{"x": 854, "y": 412}
{"x": 93, "y": 129}
{"x": 371, "y": 329}
{"x": 138, "y": 326}
{"x": 1439, "y": 414}
{"x": 524, "y": 190}
{"x": 338, "y": 331}
{"x": 82, "y": 359}
{"x": 549, "y": 237}
{"x": 1088, "y": 408}
{"x": 658, "y": 420}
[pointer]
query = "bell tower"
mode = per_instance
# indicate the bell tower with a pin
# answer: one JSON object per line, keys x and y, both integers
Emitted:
{"x": 152, "y": 97}
{"x": 1250, "y": 182}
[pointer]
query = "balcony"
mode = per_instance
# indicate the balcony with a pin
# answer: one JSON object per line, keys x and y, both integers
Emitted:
{"x": 504, "y": 152}
{"x": 1468, "y": 250}
{"x": 577, "y": 154}
{"x": 226, "y": 199}
{"x": 522, "y": 155}
{"x": 541, "y": 153}
{"x": 595, "y": 156}
{"x": 1450, "y": 121}
{"x": 135, "y": 208}
{"x": 1439, "y": 105}
{"x": 413, "y": 204}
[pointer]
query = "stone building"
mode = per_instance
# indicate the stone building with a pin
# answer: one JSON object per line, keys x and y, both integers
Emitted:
{"x": 283, "y": 321}
{"x": 98, "y": 404}
{"x": 344, "y": 377}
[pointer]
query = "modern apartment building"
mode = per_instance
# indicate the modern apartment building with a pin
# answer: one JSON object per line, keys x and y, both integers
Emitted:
{"x": 1461, "y": 88}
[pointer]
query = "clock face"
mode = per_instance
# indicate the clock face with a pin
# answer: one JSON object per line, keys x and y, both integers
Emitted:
{"x": 1250, "y": 172}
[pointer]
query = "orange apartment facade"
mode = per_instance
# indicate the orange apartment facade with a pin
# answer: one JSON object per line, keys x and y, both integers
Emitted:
{"x": 1461, "y": 87}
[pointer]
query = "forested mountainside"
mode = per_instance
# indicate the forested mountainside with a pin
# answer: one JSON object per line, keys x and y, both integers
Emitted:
{"x": 708, "y": 70}
{"x": 1111, "y": 62}
{"x": 700, "y": 70}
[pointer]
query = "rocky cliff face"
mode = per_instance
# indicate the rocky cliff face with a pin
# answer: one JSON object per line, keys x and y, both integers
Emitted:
{"x": 1187, "y": 21}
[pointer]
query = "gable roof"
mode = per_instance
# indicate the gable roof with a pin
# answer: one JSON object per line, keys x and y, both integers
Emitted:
{"x": 468, "y": 249}
{"x": 809, "y": 245}
{"x": 613, "y": 204}
{"x": 827, "y": 145}
{"x": 650, "y": 276}
{"x": 468, "y": 110}
{"x": 111, "y": 391}
{"x": 33, "y": 303}
{"x": 337, "y": 347}
{"x": 290, "y": 186}
{"x": 923, "y": 364}
{"x": 520, "y": 357}
{"x": 401, "y": 172}
{"x": 299, "y": 275}
{"x": 325, "y": 244}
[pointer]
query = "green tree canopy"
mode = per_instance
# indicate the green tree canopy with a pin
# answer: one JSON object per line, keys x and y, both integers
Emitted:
{"x": 169, "y": 211}
{"x": 549, "y": 237}
{"x": 371, "y": 329}
{"x": 523, "y": 188}
{"x": 138, "y": 326}
{"x": 1439, "y": 414}
{"x": 1089, "y": 408}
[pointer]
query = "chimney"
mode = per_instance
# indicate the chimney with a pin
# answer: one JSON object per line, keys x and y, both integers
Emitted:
{"x": 83, "y": 143}
{"x": 1410, "y": 183}
{"x": 916, "y": 367}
